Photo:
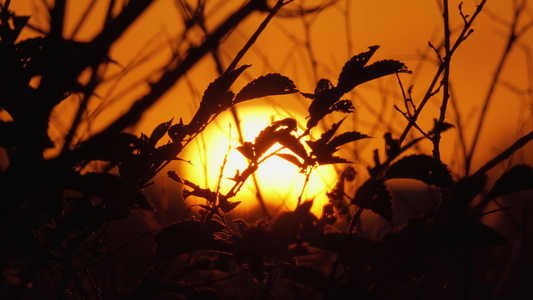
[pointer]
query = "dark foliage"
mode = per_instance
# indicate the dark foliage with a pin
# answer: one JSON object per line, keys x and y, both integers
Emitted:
{"x": 54, "y": 215}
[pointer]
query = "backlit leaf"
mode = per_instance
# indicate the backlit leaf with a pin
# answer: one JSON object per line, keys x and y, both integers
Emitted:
{"x": 423, "y": 168}
{"x": 184, "y": 237}
{"x": 345, "y": 138}
{"x": 353, "y": 68}
{"x": 117, "y": 194}
{"x": 267, "y": 85}
{"x": 374, "y": 195}
{"x": 325, "y": 137}
{"x": 292, "y": 143}
{"x": 344, "y": 106}
{"x": 159, "y": 132}
{"x": 222, "y": 84}
{"x": 518, "y": 178}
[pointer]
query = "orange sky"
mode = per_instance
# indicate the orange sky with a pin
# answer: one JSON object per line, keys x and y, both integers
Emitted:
{"x": 402, "y": 28}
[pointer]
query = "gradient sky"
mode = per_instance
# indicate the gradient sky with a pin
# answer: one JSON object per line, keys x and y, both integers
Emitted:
{"x": 347, "y": 27}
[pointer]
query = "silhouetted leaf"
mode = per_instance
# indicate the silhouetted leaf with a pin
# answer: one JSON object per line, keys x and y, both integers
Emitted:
{"x": 289, "y": 123}
{"x": 468, "y": 233}
{"x": 286, "y": 139}
{"x": 380, "y": 69}
{"x": 464, "y": 191}
{"x": 440, "y": 127}
{"x": 323, "y": 148}
{"x": 184, "y": 237}
{"x": 159, "y": 132}
{"x": 111, "y": 147}
{"x": 221, "y": 85}
{"x": 421, "y": 167}
{"x": 374, "y": 195}
{"x": 288, "y": 224}
{"x": 518, "y": 178}
{"x": 267, "y": 85}
{"x": 324, "y": 98}
{"x": 247, "y": 150}
{"x": 352, "y": 69}
{"x": 216, "y": 99}
{"x": 264, "y": 140}
{"x": 325, "y": 137}
{"x": 345, "y": 138}
{"x": 227, "y": 206}
{"x": 344, "y": 106}
{"x": 117, "y": 194}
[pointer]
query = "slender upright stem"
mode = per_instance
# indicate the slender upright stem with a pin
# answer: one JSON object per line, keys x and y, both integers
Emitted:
{"x": 445, "y": 82}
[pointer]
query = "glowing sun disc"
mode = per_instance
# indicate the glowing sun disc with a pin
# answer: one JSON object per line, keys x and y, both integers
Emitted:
{"x": 280, "y": 182}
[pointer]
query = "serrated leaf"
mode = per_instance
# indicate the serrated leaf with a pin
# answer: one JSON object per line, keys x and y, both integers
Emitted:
{"x": 325, "y": 137}
{"x": 286, "y": 139}
{"x": 288, "y": 224}
{"x": 264, "y": 140}
{"x": 374, "y": 195}
{"x": 380, "y": 69}
{"x": 222, "y": 84}
{"x": 267, "y": 85}
{"x": 323, "y": 148}
{"x": 343, "y": 106}
{"x": 289, "y": 123}
{"x": 185, "y": 237}
{"x": 353, "y": 67}
{"x": 421, "y": 167}
{"x": 159, "y": 132}
{"x": 227, "y": 206}
{"x": 118, "y": 194}
{"x": 331, "y": 159}
{"x": 464, "y": 191}
{"x": 325, "y": 96}
{"x": 518, "y": 178}
{"x": 111, "y": 147}
{"x": 355, "y": 71}
{"x": 345, "y": 138}
{"x": 247, "y": 150}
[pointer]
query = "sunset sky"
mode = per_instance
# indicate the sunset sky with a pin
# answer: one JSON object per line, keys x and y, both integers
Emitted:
{"x": 291, "y": 44}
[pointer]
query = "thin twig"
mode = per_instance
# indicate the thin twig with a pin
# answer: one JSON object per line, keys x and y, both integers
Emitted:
{"x": 445, "y": 82}
{"x": 429, "y": 92}
{"x": 514, "y": 34}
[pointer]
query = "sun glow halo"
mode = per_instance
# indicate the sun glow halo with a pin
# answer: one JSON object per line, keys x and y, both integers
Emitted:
{"x": 280, "y": 182}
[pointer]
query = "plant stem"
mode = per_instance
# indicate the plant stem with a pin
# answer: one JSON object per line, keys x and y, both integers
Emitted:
{"x": 429, "y": 93}
{"x": 510, "y": 42}
{"x": 445, "y": 82}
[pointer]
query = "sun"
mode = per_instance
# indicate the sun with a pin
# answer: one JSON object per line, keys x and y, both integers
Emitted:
{"x": 279, "y": 182}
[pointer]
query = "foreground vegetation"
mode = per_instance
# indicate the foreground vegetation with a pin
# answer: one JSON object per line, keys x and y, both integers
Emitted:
{"x": 56, "y": 211}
